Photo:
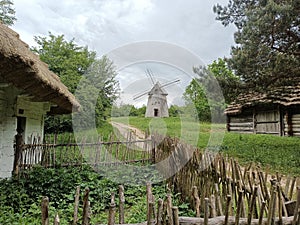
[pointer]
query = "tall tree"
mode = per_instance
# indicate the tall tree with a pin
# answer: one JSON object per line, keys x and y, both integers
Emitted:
{"x": 207, "y": 94}
{"x": 65, "y": 58}
{"x": 227, "y": 80}
{"x": 97, "y": 92}
{"x": 196, "y": 101}
{"x": 7, "y": 12}
{"x": 73, "y": 63}
{"x": 268, "y": 40}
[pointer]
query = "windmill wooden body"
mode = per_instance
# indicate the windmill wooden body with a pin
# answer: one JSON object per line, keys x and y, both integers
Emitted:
{"x": 157, "y": 105}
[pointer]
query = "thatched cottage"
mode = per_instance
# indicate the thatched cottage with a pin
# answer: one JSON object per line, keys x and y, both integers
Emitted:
{"x": 28, "y": 91}
{"x": 276, "y": 112}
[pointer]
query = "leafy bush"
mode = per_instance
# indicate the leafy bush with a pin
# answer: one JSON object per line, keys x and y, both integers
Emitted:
{"x": 20, "y": 199}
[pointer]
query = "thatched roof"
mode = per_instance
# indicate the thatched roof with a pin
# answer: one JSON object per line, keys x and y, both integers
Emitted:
{"x": 285, "y": 96}
{"x": 23, "y": 69}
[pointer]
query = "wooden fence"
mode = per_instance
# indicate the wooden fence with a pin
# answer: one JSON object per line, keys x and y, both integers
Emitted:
{"x": 94, "y": 153}
{"x": 219, "y": 189}
{"x": 162, "y": 212}
{"x": 212, "y": 180}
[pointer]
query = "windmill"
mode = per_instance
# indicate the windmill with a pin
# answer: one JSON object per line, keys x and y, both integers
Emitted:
{"x": 157, "y": 105}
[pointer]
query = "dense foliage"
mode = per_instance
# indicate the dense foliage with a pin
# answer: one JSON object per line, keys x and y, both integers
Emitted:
{"x": 127, "y": 110}
{"x": 20, "y": 199}
{"x": 196, "y": 101}
{"x": 7, "y": 12}
{"x": 267, "y": 37}
{"x": 74, "y": 64}
{"x": 207, "y": 94}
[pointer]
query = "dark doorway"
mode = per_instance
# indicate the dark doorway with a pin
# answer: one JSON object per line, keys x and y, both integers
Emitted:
{"x": 156, "y": 112}
{"x": 21, "y": 125}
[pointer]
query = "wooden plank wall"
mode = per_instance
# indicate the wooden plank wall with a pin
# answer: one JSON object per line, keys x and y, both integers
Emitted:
{"x": 296, "y": 124}
{"x": 267, "y": 122}
{"x": 241, "y": 124}
{"x": 291, "y": 124}
{"x": 257, "y": 121}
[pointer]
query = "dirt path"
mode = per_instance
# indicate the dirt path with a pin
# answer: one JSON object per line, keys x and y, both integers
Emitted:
{"x": 126, "y": 130}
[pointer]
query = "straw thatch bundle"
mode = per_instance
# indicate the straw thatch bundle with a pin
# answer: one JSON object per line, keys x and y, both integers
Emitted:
{"x": 288, "y": 95}
{"x": 24, "y": 70}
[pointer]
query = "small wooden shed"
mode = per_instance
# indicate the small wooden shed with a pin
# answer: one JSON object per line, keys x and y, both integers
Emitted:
{"x": 157, "y": 105}
{"x": 275, "y": 111}
{"x": 28, "y": 91}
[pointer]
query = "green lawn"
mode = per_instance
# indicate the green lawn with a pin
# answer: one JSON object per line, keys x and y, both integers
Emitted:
{"x": 279, "y": 153}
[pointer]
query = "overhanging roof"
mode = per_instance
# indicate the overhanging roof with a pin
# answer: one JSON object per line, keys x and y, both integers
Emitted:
{"x": 23, "y": 69}
{"x": 286, "y": 96}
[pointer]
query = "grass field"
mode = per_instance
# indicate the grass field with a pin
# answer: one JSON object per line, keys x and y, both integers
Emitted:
{"x": 279, "y": 153}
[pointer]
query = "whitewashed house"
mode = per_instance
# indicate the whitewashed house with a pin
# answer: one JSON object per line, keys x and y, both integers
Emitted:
{"x": 28, "y": 91}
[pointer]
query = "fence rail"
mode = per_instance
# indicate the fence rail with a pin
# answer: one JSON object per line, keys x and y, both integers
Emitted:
{"x": 113, "y": 152}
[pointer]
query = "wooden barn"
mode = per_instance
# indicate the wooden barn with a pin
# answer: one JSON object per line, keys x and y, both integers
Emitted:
{"x": 274, "y": 112}
{"x": 28, "y": 91}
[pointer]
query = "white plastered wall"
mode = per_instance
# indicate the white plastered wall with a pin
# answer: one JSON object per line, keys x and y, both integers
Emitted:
{"x": 10, "y": 103}
{"x": 8, "y": 124}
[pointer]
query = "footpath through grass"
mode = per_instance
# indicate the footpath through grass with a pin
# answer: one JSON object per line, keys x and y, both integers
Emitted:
{"x": 281, "y": 154}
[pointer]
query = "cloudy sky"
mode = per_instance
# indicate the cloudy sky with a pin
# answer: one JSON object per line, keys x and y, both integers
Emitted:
{"x": 106, "y": 25}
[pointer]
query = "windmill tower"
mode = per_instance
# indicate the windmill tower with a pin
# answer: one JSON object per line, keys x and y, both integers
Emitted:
{"x": 157, "y": 105}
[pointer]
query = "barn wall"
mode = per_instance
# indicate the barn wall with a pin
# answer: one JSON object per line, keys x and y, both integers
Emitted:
{"x": 291, "y": 121}
{"x": 295, "y": 123}
{"x": 257, "y": 120}
{"x": 268, "y": 122}
{"x": 241, "y": 123}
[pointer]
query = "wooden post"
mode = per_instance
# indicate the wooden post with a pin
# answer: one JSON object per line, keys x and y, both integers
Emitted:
{"x": 175, "y": 215}
{"x": 169, "y": 210}
{"x": 153, "y": 150}
{"x": 196, "y": 200}
{"x": 56, "y": 220}
{"x": 121, "y": 205}
{"x": 254, "y": 121}
{"x": 150, "y": 213}
{"x": 288, "y": 117}
{"x": 206, "y": 211}
{"x": 86, "y": 210}
{"x": 261, "y": 213}
{"x": 297, "y": 208}
{"x": 227, "y": 209}
{"x": 252, "y": 204}
{"x": 218, "y": 201}
{"x": 213, "y": 206}
{"x": 45, "y": 211}
{"x": 292, "y": 187}
{"x": 239, "y": 207}
{"x": 272, "y": 207}
{"x": 159, "y": 218}
{"x": 287, "y": 185}
{"x": 18, "y": 151}
{"x": 112, "y": 210}
{"x": 76, "y": 204}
